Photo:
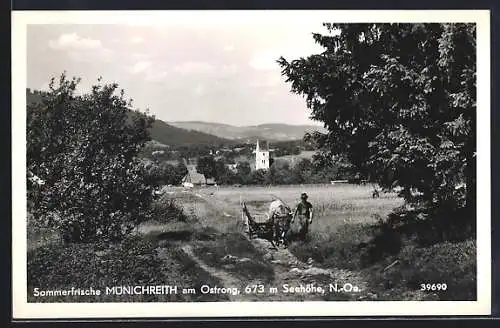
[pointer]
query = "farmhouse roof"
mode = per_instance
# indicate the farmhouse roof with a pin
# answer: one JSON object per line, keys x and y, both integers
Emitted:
{"x": 194, "y": 178}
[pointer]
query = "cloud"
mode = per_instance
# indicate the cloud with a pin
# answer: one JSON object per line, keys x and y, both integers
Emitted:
{"x": 140, "y": 66}
{"x": 267, "y": 59}
{"x": 194, "y": 68}
{"x": 229, "y": 48}
{"x": 200, "y": 90}
{"x": 268, "y": 80}
{"x": 150, "y": 71}
{"x": 228, "y": 70}
{"x": 140, "y": 56}
{"x": 101, "y": 55}
{"x": 72, "y": 41}
{"x": 81, "y": 49}
{"x": 137, "y": 39}
{"x": 155, "y": 76}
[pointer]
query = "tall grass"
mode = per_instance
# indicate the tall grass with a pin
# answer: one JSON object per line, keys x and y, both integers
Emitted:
{"x": 346, "y": 234}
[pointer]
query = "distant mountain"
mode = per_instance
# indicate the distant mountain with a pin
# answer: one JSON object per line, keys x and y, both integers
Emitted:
{"x": 175, "y": 136}
{"x": 272, "y": 132}
{"x": 160, "y": 131}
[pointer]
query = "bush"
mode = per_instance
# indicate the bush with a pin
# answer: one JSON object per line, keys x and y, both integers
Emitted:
{"x": 429, "y": 225}
{"x": 386, "y": 240}
{"x": 167, "y": 210}
{"x": 453, "y": 264}
{"x": 339, "y": 249}
{"x": 423, "y": 225}
{"x": 84, "y": 148}
{"x": 131, "y": 262}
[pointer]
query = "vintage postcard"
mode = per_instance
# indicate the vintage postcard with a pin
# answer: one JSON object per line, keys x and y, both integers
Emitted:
{"x": 250, "y": 163}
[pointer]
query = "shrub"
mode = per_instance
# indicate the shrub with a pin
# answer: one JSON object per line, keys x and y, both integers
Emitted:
{"x": 339, "y": 249}
{"x": 386, "y": 240}
{"x": 453, "y": 264}
{"x": 84, "y": 149}
{"x": 421, "y": 224}
{"x": 132, "y": 261}
{"x": 430, "y": 225}
{"x": 167, "y": 210}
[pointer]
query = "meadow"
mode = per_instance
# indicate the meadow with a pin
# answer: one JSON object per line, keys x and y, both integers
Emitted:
{"x": 193, "y": 246}
{"x": 345, "y": 234}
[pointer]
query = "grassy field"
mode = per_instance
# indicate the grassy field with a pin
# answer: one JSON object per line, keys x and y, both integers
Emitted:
{"x": 344, "y": 218}
{"x": 208, "y": 246}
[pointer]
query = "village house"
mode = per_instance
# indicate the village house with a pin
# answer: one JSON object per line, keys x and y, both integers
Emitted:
{"x": 193, "y": 178}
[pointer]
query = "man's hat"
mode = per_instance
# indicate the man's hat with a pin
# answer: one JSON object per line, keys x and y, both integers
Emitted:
{"x": 303, "y": 195}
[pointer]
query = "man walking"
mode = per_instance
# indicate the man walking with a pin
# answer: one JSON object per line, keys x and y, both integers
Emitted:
{"x": 304, "y": 212}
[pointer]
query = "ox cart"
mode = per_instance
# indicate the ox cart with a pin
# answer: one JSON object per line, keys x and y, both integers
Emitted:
{"x": 274, "y": 228}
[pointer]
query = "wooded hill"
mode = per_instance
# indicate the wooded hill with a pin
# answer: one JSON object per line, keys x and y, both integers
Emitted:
{"x": 161, "y": 131}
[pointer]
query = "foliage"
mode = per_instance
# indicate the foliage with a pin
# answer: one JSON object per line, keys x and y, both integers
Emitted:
{"x": 71, "y": 265}
{"x": 167, "y": 210}
{"x": 165, "y": 174}
{"x": 83, "y": 148}
{"x": 304, "y": 171}
{"x": 243, "y": 169}
{"x": 206, "y": 166}
{"x": 399, "y": 102}
{"x": 451, "y": 263}
{"x": 336, "y": 249}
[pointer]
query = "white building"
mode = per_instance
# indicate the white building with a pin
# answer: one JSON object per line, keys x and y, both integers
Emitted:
{"x": 262, "y": 156}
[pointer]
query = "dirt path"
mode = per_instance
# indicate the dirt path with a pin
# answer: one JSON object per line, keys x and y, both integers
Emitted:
{"x": 294, "y": 280}
{"x": 228, "y": 280}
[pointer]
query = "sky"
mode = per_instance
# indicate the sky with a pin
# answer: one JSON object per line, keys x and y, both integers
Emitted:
{"x": 224, "y": 73}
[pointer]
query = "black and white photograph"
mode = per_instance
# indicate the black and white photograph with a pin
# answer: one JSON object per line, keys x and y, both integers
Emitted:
{"x": 188, "y": 163}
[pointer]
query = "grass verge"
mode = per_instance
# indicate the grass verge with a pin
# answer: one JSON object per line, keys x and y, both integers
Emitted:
{"x": 453, "y": 264}
{"x": 134, "y": 262}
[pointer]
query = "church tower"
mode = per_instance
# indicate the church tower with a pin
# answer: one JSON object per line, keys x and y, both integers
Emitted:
{"x": 261, "y": 156}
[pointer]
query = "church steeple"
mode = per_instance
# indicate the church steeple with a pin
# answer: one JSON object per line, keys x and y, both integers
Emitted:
{"x": 261, "y": 156}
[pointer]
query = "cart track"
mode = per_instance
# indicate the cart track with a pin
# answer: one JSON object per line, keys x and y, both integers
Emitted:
{"x": 288, "y": 269}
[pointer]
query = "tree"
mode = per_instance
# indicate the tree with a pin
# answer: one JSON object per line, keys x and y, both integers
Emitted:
{"x": 221, "y": 170}
{"x": 166, "y": 174}
{"x": 302, "y": 171}
{"x": 258, "y": 176}
{"x": 243, "y": 168}
{"x": 399, "y": 102}
{"x": 206, "y": 166}
{"x": 84, "y": 149}
{"x": 279, "y": 173}
{"x": 243, "y": 172}
{"x": 180, "y": 172}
